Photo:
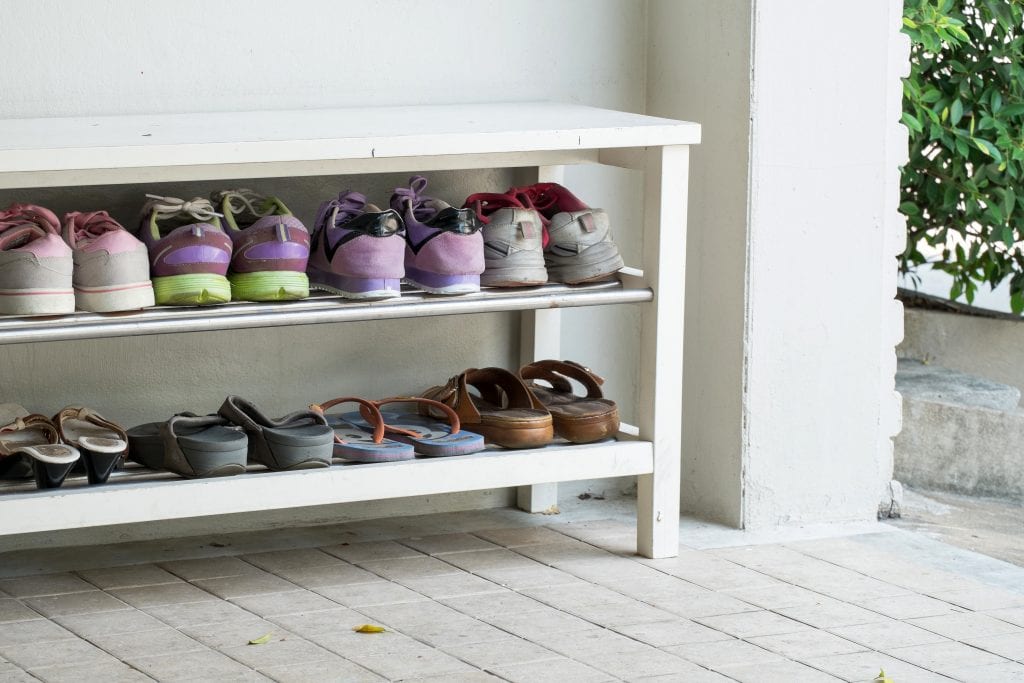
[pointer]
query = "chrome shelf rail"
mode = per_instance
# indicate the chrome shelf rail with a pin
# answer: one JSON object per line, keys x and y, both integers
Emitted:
{"x": 317, "y": 309}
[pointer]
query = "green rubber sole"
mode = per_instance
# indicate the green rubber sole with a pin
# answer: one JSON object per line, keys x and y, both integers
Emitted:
{"x": 270, "y": 285}
{"x": 202, "y": 289}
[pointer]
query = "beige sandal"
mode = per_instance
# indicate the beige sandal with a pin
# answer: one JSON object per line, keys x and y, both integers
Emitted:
{"x": 580, "y": 419}
{"x": 30, "y": 446}
{"x": 102, "y": 443}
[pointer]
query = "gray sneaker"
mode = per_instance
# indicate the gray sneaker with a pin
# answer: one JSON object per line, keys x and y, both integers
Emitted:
{"x": 579, "y": 246}
{"x": 513, "y": 241}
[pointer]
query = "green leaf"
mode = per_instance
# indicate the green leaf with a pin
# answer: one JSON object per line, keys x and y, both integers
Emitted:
{"x": 988, "y": 148}
{"x": 909, "y": 23}
{"x": 262, "y": 640}
{"x": 910, "y": 209}
{"x": 956, "y": 112}
{"x": 911, "y": 122}
{"x": 1006, "y": 236}
{"x": 1017, "y": 302}
{"x": 1010, "y": 111}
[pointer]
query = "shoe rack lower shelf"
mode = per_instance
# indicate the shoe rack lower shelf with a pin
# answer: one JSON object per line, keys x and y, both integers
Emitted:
{"x": 141, "y": 497}
{"x": 320, "y": 308}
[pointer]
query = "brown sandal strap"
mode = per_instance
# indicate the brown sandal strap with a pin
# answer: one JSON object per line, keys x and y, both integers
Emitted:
{"x": 558, "y": 373}
{"x": 368, "y": 409}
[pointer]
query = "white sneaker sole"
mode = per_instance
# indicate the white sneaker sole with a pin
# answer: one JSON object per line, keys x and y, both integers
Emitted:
{"x": 37, "y": 301}
{"x": 116, "y": 298}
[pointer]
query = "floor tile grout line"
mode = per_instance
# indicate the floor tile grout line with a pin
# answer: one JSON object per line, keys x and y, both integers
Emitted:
{"x": 530, "y": 597}
{"x": 483, "y": 620}
{"x": 438, "y": 601}
{"x": 242, "y": 558}
{"x": 188, "y": 582}
{"x": 716, "y": 591}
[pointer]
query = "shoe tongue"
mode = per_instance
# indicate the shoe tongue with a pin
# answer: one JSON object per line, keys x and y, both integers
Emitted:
{"x": 430, "y": 208}
{"x": 19, "y": 236}
{"x": 349, "y": 204}
{"x": 94, "y": 224}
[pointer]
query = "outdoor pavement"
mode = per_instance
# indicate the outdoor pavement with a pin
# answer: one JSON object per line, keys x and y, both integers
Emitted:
{"x": 990, "y": 526}
{"x": 503, "y": 595}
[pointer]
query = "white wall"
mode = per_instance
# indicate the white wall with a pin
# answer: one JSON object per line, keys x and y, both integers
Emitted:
{"x": 699, "y": 70}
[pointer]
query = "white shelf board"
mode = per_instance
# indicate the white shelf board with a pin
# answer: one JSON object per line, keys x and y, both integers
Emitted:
{"x": 84, "y": 150}
{"x": 126, "y": 500}
{"x": 315, "y": 310}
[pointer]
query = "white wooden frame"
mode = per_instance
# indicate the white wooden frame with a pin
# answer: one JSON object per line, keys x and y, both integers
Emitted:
{"x": 544, "y": 136}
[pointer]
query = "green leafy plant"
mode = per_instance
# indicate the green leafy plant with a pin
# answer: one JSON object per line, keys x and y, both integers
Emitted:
{"x": 964, "y": 106}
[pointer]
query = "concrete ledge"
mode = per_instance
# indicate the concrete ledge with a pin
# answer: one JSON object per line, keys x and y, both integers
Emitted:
{"x": 915, "y": 380}
{"x": 964, "y": 449}
{"x": 979, "y": 346}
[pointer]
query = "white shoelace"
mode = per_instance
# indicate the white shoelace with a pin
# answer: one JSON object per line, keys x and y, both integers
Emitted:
{"x": 244, "y": 199}
{"x": 167, "y": 207}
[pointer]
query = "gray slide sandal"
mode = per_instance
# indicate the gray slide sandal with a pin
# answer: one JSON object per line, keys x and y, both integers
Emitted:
{"x": 190, "y": 445}
{"x": 297, "y": 441}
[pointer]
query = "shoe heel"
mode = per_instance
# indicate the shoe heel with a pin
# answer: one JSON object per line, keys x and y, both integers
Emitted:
{"x": 50, "y": 475}
{"x": 215, "y": 463}
{"x": 269, "y": 286}
{"x": 99, "y": 466}
{"x": 200, "y": 289}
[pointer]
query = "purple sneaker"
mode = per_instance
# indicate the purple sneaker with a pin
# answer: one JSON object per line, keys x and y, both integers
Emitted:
{"x": 357, "y": 249}
{"x": 271, "y": 247}
{"x": 188, "y": 252}
{"x": 444, "y": 251}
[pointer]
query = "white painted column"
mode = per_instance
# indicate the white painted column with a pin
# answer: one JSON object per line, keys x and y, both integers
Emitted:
{"x": 540, "y": 337}
{"x": 788, "y": 401}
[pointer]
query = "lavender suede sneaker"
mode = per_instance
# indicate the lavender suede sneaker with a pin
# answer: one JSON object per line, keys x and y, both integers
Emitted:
{"x": 188, "y": 252}
{"x": 444, "y": 248}
{"x": 271, "y": 247}
{"x": 357, "y": 249}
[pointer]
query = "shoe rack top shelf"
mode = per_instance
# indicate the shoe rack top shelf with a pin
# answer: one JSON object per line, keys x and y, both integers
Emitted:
{"x": 317, "y": 309}
{"x": 100, "y": 149}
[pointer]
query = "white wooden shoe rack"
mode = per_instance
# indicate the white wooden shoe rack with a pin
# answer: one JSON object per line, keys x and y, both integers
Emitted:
{"x": 544, "y": 136}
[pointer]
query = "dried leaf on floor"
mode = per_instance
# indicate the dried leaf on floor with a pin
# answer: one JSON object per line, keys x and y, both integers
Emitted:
{"x": 261, "y": 640}
{"x": 369, "y": 628}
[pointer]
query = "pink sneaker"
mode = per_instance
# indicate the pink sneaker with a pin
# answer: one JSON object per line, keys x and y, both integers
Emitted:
{"x": 111, "y": 265}
{"x": 35, "y": 263}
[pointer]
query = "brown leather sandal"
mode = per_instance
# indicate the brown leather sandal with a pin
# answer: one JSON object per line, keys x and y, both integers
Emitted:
{"x": 578, "y": 419}
{"x": 503, "y": 411}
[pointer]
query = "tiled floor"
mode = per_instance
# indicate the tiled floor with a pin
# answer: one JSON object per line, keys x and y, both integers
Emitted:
{"x": 497, "y": 596}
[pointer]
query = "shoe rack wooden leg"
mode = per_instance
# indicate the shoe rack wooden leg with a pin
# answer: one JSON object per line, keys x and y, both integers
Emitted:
{"x": 540, "y": 338}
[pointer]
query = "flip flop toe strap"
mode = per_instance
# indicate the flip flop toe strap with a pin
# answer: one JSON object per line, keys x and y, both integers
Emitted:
{"x": 368, "y": 409}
